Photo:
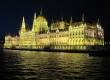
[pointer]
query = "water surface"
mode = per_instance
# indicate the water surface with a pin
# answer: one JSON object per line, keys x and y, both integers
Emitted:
{"x": 32, "y": 65}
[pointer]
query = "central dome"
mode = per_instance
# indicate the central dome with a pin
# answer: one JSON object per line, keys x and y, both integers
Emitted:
{"x": 41, "y": 18}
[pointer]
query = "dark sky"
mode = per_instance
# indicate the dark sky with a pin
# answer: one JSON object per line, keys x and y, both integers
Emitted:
{"x": 12, "y": 12}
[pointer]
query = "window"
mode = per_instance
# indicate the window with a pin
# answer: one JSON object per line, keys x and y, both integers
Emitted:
{"x": 82, "y": 32}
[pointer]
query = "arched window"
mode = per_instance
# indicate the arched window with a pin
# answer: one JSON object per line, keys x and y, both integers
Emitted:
{"x": 82, "y": 32}
{"x": 82, "y": 40}
{"x": 76, "y": 32}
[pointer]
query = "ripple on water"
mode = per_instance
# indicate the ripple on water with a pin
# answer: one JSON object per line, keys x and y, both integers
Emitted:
{"x": 53, "y": 66}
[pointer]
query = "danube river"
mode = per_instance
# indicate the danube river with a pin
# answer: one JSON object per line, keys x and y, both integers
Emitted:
{"x": 32, "y": 65}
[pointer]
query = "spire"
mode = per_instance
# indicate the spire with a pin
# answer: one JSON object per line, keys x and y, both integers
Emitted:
{"x": 98, "y": 21}
{"x": 34, "y": 22}
{"x": 83, "y": 18}
{"x": 71, "y": 21}
{"x": 23, "y": 19}
{"x": 98, "y": 24}
{"x": 23, "y": 23}
{"x": 41, "y": 11}
{"x": 52, "y": 19}
{"x": 35, "y": 15}
{"x": 23, "y": 28}
{"x": 61, "y": 17}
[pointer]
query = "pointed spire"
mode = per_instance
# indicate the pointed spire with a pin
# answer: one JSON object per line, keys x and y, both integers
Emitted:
{"x": 35, "y": 15}
{"x": 52, "y": 19}
{"x": 98, "y": 24}
{"x": 98, "y": 21}
{"x": 61, "y": 17}
{"x": 83, "y": 18}
{"x": 71, "y": 21}
{"x": 41, "y": 11}
{"x": 23, "y": 22}
{"x": 23, "y": 18}
{"x": 23, "y": 27}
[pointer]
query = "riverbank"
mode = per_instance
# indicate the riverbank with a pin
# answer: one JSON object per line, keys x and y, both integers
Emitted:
{"x": 58, "y": 50}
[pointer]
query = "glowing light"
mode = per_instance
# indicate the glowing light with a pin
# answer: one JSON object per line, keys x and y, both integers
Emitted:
{"x": 61, "y": 35}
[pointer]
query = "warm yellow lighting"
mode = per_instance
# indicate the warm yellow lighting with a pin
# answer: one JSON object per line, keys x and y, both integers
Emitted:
{"x": 60, "y": 35}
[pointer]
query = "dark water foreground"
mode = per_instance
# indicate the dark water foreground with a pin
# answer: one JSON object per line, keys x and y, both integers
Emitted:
{"x": 32, "y": 65}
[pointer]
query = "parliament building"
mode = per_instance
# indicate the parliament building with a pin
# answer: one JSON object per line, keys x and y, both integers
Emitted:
{"x": 60, "y": 35}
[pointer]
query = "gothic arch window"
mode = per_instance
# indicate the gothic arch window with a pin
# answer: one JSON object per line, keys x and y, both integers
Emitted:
{"x": 82, "y": 32}
{"x": 73, "y": 32}
{"x": 94, "y": 34}
{"x": 76, "y": 32}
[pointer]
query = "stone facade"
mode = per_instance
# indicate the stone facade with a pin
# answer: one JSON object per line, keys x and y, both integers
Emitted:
{"x": 60, "y": 35}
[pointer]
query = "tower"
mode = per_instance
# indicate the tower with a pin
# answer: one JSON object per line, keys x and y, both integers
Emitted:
{"x": 98, "y": 24}
{"x": 61, "y": 17}
{"x": 41, "y": 24}
{"x": 35, "y": 15}
{"x": 83, "y": 18}
{"x": 52, "y": 19}
{"x": 34, "y": 22}
{"x": 71, "y": 21}
{"x": 41, "y": 11}
{"x": 23, "y": 27}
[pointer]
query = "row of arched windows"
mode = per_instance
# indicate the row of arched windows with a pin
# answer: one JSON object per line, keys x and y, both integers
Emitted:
{"x": 77, "y": 33}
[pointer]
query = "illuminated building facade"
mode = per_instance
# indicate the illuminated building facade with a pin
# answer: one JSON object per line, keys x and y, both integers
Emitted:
{"x": 61, "y": 35}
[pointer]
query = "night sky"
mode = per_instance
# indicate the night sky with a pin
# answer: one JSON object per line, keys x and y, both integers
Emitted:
{"x": 12, "y": 12}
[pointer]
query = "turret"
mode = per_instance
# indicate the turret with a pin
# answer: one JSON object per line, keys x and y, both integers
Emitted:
{"x": 71, "y": 21}
{"x": 35, "y": 15}
{"x": 52, "y": 19}
{"x": 98, "y": 24}
{"x": 83, "y": 20}
{"x": 61, "y": 17}
{"x": 34, "y": 22}
{"x": 23, "y": 27}
{"x": 41, "y": 11}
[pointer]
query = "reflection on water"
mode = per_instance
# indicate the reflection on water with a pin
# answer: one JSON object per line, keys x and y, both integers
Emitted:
{"x": 20, "y": 65}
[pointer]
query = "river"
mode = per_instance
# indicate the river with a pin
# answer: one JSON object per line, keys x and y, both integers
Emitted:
{"x": 33, "y": 65}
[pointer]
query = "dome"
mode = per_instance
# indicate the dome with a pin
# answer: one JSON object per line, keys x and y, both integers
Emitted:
{"x": 41, "y": 18}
